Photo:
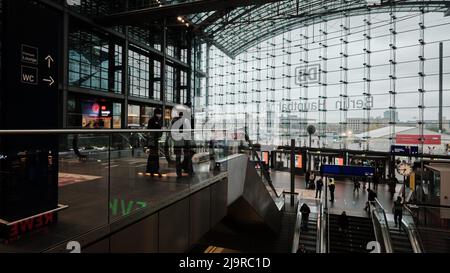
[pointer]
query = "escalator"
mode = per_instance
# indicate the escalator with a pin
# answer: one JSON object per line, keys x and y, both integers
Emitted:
{"x": 309, "y": 238}
{"x": 360, "y": 232}
{"x": 400, "y": 240}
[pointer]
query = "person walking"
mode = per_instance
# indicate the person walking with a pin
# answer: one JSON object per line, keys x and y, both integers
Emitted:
{"x": 155, "y": 123}
{"x": 319, "y": 186}
{"x": 331, "y": 187}
{"x": 305, "y": 210}
{"x": 356, "y": 185}
{"x": 398, "y": 212}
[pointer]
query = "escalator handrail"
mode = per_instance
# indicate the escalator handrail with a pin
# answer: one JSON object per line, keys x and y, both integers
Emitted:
{"x": 384, "y": 229}
{"x": 413, "y": 234}
{"x": 264, "y": 171}
{"x": 321, "y": 224}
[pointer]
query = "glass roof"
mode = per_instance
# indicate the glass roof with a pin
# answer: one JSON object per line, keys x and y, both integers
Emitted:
{"x": 234, "y": 26}
{"x": 243, "y": 27}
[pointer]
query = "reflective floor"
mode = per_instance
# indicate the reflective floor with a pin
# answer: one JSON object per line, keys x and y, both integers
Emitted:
{"x": 353, "y": 202}
{"x": 99, "y": 192}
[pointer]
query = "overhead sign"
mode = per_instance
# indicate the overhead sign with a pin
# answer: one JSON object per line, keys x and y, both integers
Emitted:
{"x": 29, "y": 75}
{"x": 415, "y": 139}
{"x": 30, "y": 54}
{"x": 347, "y": 170}
{"x": 402, "y": 149}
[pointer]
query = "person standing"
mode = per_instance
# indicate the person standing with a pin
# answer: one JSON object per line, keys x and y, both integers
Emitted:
{"x": 331, "y": 187}
{"x": 343, "y": 223}
{"x": 319, "y": 186}
{"x": 398, "y": 212}
{"x": 356, "y": 185}
{"x": 155, "y": 123}
{"x": 375, "y": 180}
{"x": 312, "y": 179}
{"x": 307, "y": 175}
{"x": 178, "y": 145}
{"x": 305, "y": 210}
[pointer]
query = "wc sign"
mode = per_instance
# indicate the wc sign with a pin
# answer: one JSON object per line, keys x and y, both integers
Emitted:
{"x": 307, "y": 74}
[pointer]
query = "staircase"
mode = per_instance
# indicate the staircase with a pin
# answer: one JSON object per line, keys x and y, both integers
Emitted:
{"x": 400, "y": 240}
{"x": 309, "y": 238}
{"x": 360, "y": 232}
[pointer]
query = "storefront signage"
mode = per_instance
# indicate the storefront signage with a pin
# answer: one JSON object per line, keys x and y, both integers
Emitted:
{"x": 12, "y": 232}
{"x": 415, "y": 139}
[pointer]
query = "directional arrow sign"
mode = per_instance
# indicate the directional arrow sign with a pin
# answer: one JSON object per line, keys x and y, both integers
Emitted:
{"x": 50, "y": 81}
{"x": 49, "y": 60}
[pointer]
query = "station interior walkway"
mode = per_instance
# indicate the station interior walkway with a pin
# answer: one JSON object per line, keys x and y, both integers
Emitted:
{"x": 346, "y": 199}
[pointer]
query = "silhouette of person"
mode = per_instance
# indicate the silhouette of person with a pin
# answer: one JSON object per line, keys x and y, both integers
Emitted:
{"x": 154, "y": 123}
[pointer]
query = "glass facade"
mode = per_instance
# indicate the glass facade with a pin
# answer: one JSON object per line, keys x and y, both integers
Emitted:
{"x": 89, "y": 60}
{"x": 96, "y": 62}
{"x": 362, "y": 81}
{"x": 139, "y": 74}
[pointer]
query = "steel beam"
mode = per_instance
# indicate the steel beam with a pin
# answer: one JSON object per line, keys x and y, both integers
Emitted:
{"x": 143, "y": 15}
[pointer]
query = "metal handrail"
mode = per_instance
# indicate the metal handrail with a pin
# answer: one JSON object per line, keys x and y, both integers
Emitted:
{"x": 384, "y": 229}
{"x": 413, "y": 235}
{"x": 264, "y": 172}
{"x": 97, "y": 131}
{"x": 321, "y": 225}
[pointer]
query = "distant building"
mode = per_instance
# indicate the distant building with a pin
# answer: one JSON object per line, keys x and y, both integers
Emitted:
{"x": 387, "y": 115}
{"x": 356, "y": 125}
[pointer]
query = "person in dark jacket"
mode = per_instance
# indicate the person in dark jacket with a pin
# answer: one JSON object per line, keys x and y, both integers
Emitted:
{"x": 398, "y": 212}
{"x": 331, "y": 187}
{"x": 343, "y": 223}
{"x": 307, "y": 175}
{"x": 182, "y": 146}
{"x": 370, "y": 198}
{"x": 178, "y": 147}
{"x": 305, "y": 210}
{"x": 356, "y": 185}
{"x": 155, "y": 123}
{"x": 312, "y": 179}
{"x": 319, "y": 186}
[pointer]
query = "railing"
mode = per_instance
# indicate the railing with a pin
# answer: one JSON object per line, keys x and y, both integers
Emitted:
{"x": 431, "y": 226}
{"x": 321, "y": 246}
{"x": 381, "y": 226}
{"x": 97, "y": 177}
{"x": 413, "y": 233}
{"x": 264, "y": 172}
